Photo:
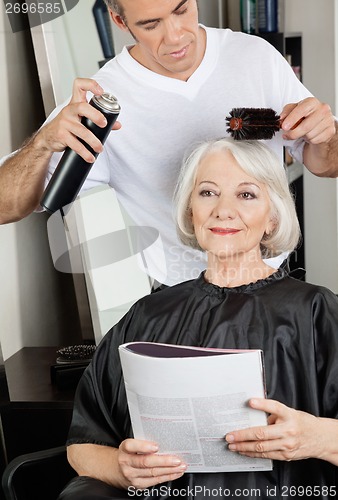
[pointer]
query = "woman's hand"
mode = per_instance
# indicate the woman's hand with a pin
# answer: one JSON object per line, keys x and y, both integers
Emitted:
{"x": 140, "y": 466}
{"x": 289, "y": 435}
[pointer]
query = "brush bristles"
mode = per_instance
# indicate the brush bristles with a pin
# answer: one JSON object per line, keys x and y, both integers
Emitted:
{"x": 252, "y": 123}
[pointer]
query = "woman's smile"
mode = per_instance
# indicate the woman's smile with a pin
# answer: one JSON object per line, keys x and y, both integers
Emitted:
{"x": 224, "y": 231}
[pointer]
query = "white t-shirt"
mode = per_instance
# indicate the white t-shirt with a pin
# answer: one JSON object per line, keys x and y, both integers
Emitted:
{"x": 163, "y": 119}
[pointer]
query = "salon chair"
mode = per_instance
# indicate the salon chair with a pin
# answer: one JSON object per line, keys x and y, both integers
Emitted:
{"x": 39, "y": 475}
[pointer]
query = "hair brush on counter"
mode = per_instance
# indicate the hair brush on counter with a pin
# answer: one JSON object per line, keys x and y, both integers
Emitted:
{"x": 254, "y": 123}
{"x": 76, "y": 353}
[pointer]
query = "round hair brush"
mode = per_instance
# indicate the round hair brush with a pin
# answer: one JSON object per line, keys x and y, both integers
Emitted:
{"x": 253, "y": 123}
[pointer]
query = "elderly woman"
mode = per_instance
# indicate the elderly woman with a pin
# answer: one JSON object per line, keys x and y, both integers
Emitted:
{"x": 233, "y": 202}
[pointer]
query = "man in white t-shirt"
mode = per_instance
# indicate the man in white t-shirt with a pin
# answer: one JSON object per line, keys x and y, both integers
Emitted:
{"x": 175, "y": 85}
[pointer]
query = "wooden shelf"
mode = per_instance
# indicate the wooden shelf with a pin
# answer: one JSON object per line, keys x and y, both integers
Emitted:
{"x": 29, "y": 382}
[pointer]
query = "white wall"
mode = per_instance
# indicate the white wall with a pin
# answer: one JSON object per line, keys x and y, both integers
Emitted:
{"x": 316, "y": 21}
{"x": 36, "y": 303}
{"x": 212, "y": 12}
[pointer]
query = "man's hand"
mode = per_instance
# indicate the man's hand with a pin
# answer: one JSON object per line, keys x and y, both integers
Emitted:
{"x": 313, "y": 121}
{"x": 22, "y": 175}
{"x": 65, "y": 129}
{"x": 310, "y": 119}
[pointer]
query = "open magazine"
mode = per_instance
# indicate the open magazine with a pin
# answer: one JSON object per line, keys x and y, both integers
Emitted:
{"x": 187, "y": 398}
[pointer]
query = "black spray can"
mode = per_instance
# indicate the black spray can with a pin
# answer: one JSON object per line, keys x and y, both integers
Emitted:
{"x": 72, "y": 170}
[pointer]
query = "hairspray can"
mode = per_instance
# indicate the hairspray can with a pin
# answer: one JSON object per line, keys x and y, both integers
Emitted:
{"x": 72, "y": 170}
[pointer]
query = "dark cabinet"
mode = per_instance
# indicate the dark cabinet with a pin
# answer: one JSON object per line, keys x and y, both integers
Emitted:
{"x": 38, "y": 414}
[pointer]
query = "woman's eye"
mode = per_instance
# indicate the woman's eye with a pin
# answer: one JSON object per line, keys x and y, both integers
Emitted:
{"x": 207, "y": 192}
{"x": 247, "y": 196}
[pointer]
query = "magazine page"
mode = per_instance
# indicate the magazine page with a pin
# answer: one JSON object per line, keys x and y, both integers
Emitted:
{"x": 186, "y": 399}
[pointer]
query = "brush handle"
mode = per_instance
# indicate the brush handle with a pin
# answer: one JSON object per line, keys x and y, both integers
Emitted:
{"x": 236, "y": 124}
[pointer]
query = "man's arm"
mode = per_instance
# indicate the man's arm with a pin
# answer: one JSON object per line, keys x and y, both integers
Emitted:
{"x": 319, "y": 130}
{"x": 22, "y": 179}
{"x": 22, "y": 176}
{"x": 322, "y": 159}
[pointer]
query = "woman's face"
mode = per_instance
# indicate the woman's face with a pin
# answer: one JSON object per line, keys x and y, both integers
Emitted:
{"x": 231, "y": 210}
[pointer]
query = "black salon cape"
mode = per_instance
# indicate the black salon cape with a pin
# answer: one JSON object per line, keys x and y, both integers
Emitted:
{"x": 296, "y": 326}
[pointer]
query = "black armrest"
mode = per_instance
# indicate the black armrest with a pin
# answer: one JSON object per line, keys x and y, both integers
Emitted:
{"x": 39, "y": 475}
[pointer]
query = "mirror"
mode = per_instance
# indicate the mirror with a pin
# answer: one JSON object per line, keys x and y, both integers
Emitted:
{"x": 66, "y": 48}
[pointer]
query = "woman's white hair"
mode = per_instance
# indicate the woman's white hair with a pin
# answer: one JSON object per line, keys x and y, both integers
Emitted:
{"x": 258, "y": 161}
